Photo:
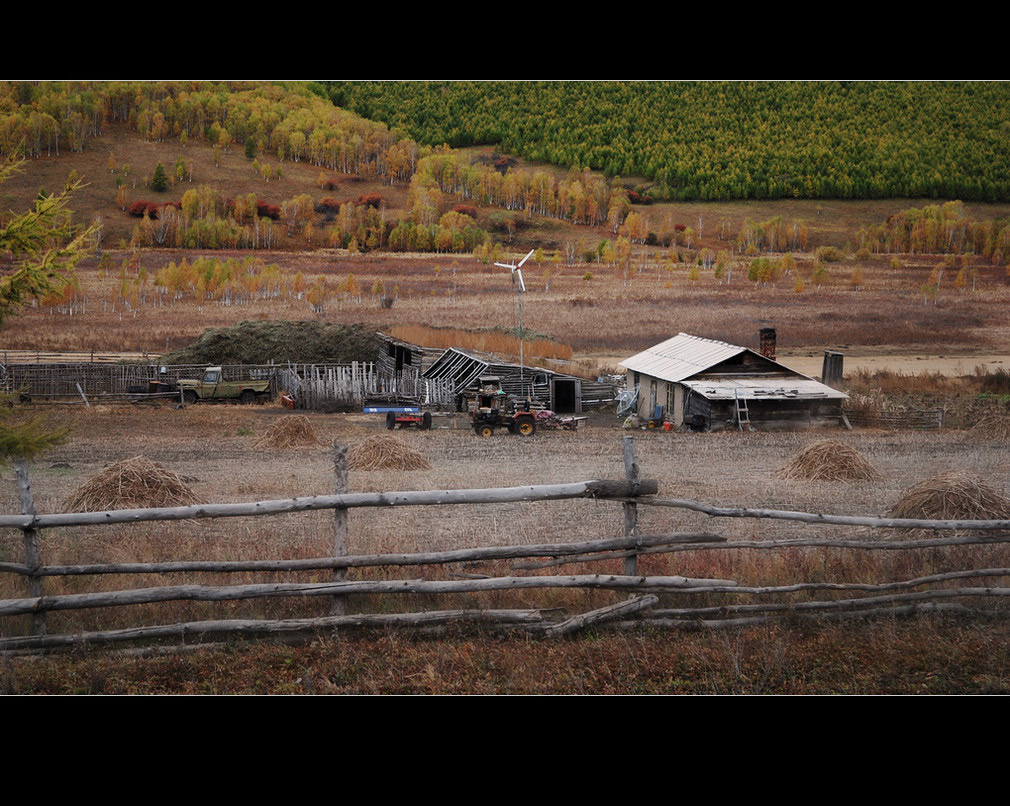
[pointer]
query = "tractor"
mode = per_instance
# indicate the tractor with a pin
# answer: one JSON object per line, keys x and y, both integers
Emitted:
{"x": 492, "y": 408}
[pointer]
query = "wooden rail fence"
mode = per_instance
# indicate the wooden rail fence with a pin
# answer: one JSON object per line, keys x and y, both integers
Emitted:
{"x": 637, "y": 597}
{"x": 314, "y": 386}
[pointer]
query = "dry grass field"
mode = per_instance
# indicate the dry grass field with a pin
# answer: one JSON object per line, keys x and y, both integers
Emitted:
{"x": 603, "y": 313}
{"x": 213, "y": 449}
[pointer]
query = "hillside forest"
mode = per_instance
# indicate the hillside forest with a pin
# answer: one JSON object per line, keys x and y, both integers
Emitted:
{"x": 775, "y": 189}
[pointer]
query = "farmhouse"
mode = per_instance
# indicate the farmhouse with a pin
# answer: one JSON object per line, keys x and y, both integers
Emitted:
{"x": 710, "y": 385}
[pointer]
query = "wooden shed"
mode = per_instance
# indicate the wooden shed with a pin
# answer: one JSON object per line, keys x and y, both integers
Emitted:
{"x": 456, "y": 370}
{"x": 711, "y": 385}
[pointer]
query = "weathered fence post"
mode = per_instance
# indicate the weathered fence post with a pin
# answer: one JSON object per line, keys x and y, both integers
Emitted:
{"x": 339, "y": 606}
{"x": 31, "y": 539}
{"x": 630, "y": 508}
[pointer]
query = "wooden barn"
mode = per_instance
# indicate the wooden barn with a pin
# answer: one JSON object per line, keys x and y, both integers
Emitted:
{"x": 704, "y": 385}
{"x": 456, "y": 370}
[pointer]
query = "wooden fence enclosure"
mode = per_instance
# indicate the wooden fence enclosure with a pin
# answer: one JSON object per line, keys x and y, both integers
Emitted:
{"x": 634, "y": 599}
{"x": 315, "y": 386}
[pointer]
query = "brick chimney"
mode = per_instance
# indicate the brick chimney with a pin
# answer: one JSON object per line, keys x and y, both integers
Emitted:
{"x": 766, "y": 340}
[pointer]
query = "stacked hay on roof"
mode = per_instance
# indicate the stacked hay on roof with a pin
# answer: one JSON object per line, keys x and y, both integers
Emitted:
{"x": 829, "y": 460}
{"x": 954, "y": 495}
{"x": 385, "y": 453}
{"x": 136, "y": 483}
{"x": 293, "y": 431}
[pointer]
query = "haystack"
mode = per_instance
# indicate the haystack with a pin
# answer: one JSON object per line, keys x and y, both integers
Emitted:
{"x": 385, "y": 453}
{"x": 955, "y": 495}
{"x": 993, "y": 428}
{"x": 829, "y": 460}
{"x": 136, "y": 483}
{"x": 291, "y": 432}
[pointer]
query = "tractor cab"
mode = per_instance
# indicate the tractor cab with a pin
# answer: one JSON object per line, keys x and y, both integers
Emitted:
{"x": 492, "y": 408}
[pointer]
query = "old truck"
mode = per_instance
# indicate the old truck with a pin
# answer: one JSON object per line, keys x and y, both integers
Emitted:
{"x": 213, "y": 387}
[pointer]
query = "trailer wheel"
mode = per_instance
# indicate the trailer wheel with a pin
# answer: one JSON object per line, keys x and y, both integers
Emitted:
{"x": 484, "y": 430}
{"x": 390, "y": 420}
{"x": 426, "y": 421}
{"x": 526, "y": 426}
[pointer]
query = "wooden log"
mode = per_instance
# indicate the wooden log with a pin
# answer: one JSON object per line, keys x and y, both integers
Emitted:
{"x": 340, "y": 546}
{"x": 272, "y": 627}
{"x": 629, "y": 507}
{"x": 31, "y": 543}
{"x": 615, "y": 611}
{"x": 754, "y": 621}
{"x": 641, "y": 545}
{"x": 863, "y": 543}
{"x": 364, "y": 560}
{"x": 502, "y": 495}
{"x": 203, "y": 593}
{"x": 839, "y": 520}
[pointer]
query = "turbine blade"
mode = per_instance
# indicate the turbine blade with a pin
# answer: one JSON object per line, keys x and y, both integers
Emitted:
{"x": 526, "y": 258}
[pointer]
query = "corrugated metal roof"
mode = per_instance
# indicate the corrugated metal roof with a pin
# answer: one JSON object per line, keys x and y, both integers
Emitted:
{"x": 681, "y": 357}
{"x": 795, "y": 388}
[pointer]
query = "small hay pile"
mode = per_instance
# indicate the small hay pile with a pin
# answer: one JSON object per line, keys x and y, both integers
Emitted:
{"x": 385, "y": 453}
{"x": 136, "y": 483}
{"x": 291, "y": 432}
{"x": 993, "y": 428}
{"x": 829, "y": 460}
{"x": 955, "y": 495}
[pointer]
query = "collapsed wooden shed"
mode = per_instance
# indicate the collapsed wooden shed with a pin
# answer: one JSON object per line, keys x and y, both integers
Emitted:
{"x": 711, "y": 385}
{"x": 456, "y": 370}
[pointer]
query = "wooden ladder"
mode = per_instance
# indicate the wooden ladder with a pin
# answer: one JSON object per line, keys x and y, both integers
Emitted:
{"x": 742, "y": 412}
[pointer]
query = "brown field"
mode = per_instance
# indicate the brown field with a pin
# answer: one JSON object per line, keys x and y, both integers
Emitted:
{"x": 614, "y": 311}
{"x": 603, "y": 314}
{"x": 212, "y": 447}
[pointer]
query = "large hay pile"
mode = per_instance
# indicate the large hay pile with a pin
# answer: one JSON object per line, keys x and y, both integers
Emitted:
{"x": 136, "y": 483}
{"x": 291, "y": 432}
{"x": 261, "y": 342}
{"x": 385, "y": 453}
{"x": 955, "y": 495}
{"x": 829, "y": 460}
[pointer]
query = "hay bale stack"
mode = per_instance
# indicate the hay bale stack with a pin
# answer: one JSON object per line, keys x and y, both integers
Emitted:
{"x": 136, "y": 483}
{"x": 955, "y": 495}
{"x": 829, "y": 460}
{"x": 993, "y": 428}
{"x": 291, "y": 432}
{"x": 385, "y": 453}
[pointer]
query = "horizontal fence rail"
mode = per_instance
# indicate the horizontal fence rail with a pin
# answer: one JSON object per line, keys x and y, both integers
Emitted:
{"x": 710, "y": 602}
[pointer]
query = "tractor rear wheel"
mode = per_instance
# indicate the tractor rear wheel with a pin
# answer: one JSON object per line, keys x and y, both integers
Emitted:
{"x": 526, "y": 426}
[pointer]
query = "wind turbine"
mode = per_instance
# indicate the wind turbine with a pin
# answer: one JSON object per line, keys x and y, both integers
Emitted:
{"x": 517, "y": 270}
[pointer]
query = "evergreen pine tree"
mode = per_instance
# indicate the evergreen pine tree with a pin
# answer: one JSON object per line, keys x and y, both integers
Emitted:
{"x": 159, "y": 182}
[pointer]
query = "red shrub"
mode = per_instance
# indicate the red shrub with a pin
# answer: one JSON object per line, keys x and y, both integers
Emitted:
{"x": 371, "y": 199}
{"x": 466, "y": 209}
{"x": 138, "y": 208}
{"x": 264, "y": 210}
